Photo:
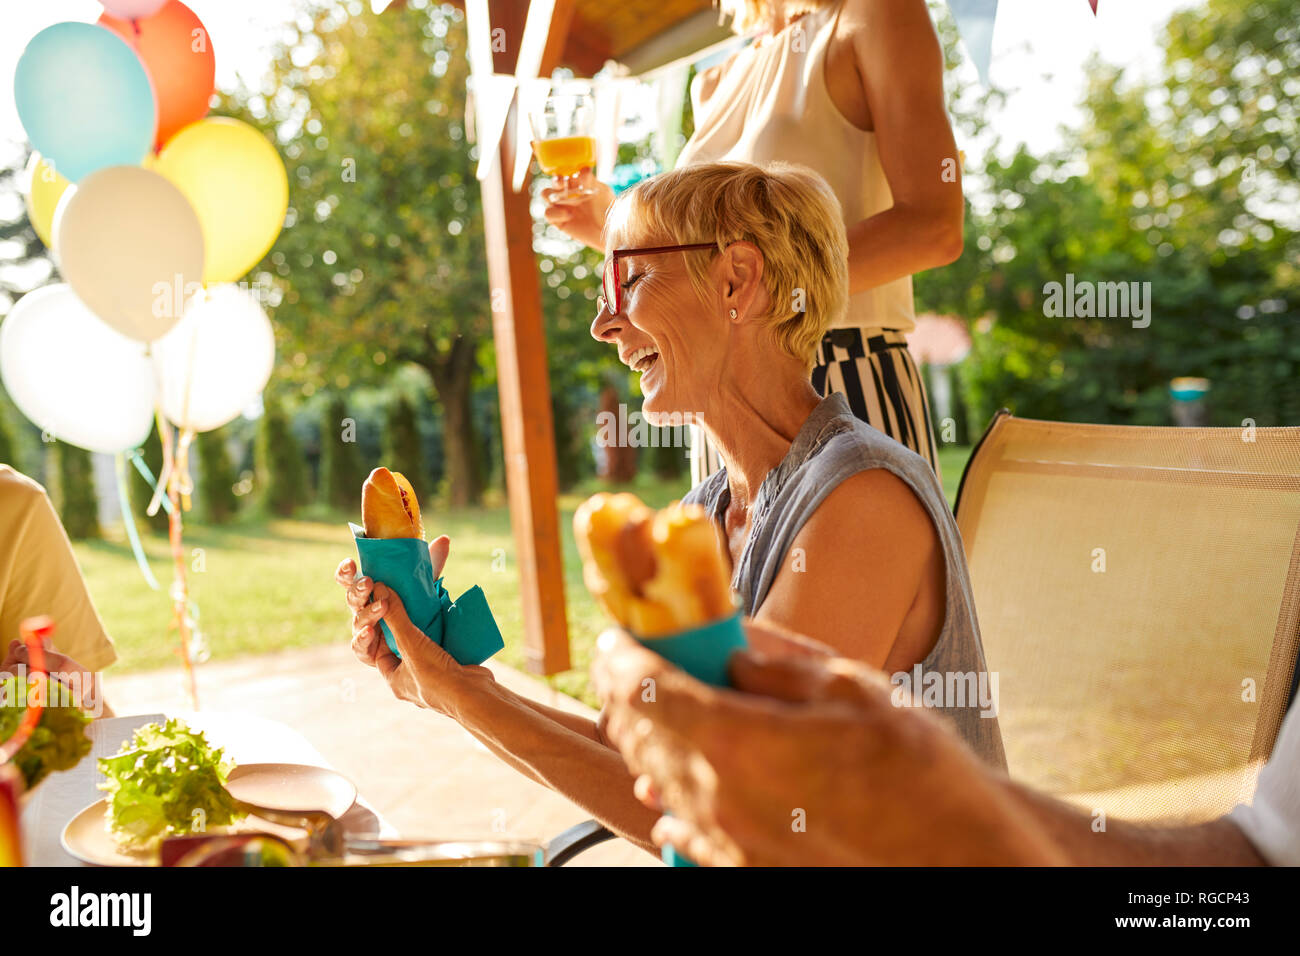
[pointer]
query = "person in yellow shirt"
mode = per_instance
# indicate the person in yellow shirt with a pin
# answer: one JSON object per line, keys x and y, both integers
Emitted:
{"x": 39, "y": 575}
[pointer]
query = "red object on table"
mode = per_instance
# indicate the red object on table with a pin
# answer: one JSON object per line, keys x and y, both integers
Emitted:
{"x": 11, "y": 788}
{"x": 34, "y": 630}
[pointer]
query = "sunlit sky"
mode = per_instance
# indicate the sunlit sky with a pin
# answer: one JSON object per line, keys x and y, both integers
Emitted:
{"x": 1039, "y": 49}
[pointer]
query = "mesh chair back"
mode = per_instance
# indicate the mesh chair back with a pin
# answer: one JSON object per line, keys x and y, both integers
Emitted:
{"x": 1138, "y": 591}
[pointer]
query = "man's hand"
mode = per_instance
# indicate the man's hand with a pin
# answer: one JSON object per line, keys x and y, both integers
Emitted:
{"x": 812, "y": 766}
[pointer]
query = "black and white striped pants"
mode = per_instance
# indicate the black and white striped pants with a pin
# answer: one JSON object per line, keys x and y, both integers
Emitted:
{"x": 874, "y": 370}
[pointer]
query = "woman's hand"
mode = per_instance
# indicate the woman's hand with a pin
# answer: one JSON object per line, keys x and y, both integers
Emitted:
{"x": 426, "y": 675}
{"x": 580, "y": 217}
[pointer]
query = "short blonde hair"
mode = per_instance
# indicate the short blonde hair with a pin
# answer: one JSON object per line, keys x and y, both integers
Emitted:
{"x": 747, "y": 14}
{"x": 787, "y": 211}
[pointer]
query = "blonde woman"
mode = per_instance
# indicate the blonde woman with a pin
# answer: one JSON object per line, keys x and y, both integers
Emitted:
{"x": 833, "y": 530}
{"x": 852, "y": 89}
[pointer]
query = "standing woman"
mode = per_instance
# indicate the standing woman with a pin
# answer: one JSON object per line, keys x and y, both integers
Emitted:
{"x": 853, "y": 89}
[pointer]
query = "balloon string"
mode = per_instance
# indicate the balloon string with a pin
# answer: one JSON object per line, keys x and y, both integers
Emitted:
{"x": 184, "y": 483}
{"x": 175, "y": 533}
{"x": 147, "y": 474}
{"x": 128, "y": 519}
{"x": 164, "y": 473}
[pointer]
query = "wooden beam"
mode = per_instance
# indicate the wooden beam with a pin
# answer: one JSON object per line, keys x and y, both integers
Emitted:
{"x": 586, "y": 48}
{"x": 683, "y": 38}
{"x": 561, "y": 21}
{"x": 528, "y": 432}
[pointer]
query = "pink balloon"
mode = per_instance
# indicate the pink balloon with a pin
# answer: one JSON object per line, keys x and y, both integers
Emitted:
{"x": 133, "y": 9}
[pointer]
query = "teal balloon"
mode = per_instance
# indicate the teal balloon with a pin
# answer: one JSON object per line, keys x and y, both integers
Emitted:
{"x": 85, "y": 99}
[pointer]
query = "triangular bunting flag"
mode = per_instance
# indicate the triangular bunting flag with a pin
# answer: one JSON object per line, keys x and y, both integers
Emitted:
{"x": 1093, "y": 4}
{"x": 532, "y": 98}
{"x": 493, "y": 94}
{"x": 975, "y": 24}
{"x": 609, "y": 93}
{"x": 672, "y": 91}
{"x": 531, "y": 50}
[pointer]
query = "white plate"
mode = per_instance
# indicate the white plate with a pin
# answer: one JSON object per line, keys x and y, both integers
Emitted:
{"x": 292, "y": 786}
{"x": 87, "y": 838}
{"x": 281, "y": 786}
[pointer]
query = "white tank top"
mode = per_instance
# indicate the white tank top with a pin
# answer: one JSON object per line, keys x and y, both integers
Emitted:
{"x": 771, "y": 103}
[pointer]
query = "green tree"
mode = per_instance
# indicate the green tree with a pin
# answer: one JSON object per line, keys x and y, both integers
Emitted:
{"x": 282, "y": 470}
{"x": 24, "y": 265}
{"x": 25, "y": 260}
{"x": 216, "y": 484}
{"x": 78, "y": 504}
{"x": 382, "y": 260}
{"x": 403, "y": 449}
{"x": 342, "y": 469}
{"x": 1185, "y": 186}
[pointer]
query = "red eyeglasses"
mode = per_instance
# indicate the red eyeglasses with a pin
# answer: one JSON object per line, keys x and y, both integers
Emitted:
{"x": 614, "y": 279}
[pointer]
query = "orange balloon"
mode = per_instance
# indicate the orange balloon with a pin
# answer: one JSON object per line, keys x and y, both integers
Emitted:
{"x": 176, "y": 50}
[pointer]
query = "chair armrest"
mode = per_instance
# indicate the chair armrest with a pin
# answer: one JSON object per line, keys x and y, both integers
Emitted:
{"x": 575, "y": 840}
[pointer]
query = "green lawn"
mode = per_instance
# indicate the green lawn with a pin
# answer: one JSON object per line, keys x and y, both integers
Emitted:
{"x": 268, "y": 585}
{"x": 952, "y": 461}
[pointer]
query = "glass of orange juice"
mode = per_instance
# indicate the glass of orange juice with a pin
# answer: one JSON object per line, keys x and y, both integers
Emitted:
{"x": 564, "y": 139}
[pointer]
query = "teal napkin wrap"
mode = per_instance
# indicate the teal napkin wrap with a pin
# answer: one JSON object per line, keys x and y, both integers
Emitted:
{"x": 465, "y": 629}
{"x": 702, "y": 652}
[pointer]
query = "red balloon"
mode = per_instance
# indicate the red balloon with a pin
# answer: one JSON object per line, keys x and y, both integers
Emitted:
{"x": 176, "y": 50}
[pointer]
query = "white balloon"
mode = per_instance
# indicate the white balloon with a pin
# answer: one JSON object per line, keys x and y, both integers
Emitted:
{"x": 72, "y": 375}
{"x": 131, "y": 247}
{"x": 216, "y": 360}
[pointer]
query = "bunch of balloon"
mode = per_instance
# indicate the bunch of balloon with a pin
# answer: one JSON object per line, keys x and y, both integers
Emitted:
{"x": 152, "y": 211}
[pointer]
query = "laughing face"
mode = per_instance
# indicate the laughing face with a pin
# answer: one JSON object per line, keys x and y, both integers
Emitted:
{"x": 664, "y": 331}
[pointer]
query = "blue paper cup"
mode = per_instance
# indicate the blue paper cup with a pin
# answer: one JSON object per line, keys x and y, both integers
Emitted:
{"x": 703, "y": 653}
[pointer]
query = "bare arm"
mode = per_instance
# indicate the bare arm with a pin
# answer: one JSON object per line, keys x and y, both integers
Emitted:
{"x": 557, "y": 753}
{"x": 563, "y": 751}
{"x": 856, "y": 569}
{"x": 900, "y": 64}
{"x": 1217, "y": 843}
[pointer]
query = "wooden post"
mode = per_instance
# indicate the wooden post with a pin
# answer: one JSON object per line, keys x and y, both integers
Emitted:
{"x": 523, "y": 381}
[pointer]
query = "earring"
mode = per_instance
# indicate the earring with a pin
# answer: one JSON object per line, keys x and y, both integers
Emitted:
{"x": 733, "y": 313}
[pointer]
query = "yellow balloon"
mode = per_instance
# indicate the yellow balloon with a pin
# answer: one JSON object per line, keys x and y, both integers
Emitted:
{"x": 235, "y": 180}
{"x": 42, "y": 197}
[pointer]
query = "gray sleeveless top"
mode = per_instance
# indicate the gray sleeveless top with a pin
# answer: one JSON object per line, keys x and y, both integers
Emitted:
{"x": 831, "y": 446}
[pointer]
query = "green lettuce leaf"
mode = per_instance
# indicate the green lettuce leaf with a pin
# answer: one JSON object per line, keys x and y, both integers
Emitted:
{"x": 166, "y": 781}
{"x": 59, "y": 740}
